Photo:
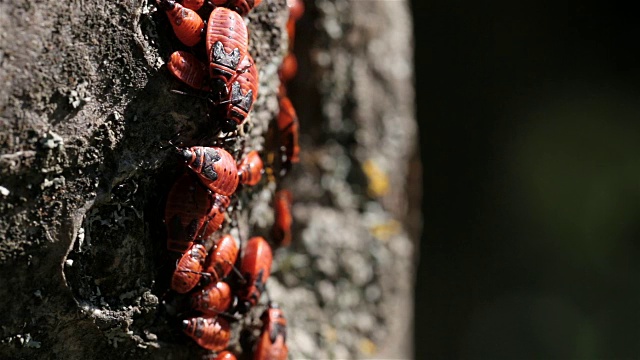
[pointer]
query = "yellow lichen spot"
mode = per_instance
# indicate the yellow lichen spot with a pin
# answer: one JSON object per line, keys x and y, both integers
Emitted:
{"x": 384, "y": 231}
{"x": 271, "y": 178}
{"x": 377, "y": 179}
{"x": 330, "y": 334}
{"x": 367, "y": 347}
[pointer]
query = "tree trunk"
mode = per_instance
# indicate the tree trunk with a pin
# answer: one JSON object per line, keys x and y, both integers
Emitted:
{"x": 87, "y": 108}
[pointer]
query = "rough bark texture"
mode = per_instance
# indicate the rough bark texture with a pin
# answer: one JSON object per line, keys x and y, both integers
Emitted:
{"x": 86, "y": 106}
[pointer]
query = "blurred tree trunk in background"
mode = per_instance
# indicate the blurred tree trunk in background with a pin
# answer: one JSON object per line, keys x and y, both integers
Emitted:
{"x": 86, "y": 106}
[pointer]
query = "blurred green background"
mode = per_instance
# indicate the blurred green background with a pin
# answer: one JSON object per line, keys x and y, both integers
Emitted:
{"x": 530, "y": 140}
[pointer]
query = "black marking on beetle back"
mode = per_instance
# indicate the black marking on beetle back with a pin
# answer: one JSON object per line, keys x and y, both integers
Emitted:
{"x": 242, "y": 101}
{"x": 260, "y": 283}
{"x": 210, "y": 157}
{"x": 273, "y": 334}
{"x": 279, "y": 329}
{"x": 199, "y": 327}
{"x": 210, "y": 173}
{"x": 260, "y": 286}
{"x": 230, "y": 60}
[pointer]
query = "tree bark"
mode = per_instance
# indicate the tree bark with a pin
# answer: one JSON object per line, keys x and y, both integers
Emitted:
{"x": 86, "y": 108}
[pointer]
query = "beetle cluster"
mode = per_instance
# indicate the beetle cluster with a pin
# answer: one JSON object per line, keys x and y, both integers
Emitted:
{"x": 221, "y": 277}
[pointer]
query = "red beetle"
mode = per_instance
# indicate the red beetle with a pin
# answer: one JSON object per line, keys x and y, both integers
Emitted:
{"x": 189, "y": 269}
{"x": 215, "y": 167}
{"x": 289, "y": 68}
{"x": 288, "y": 134}
{"x": 188, "y": 69}
{"x": 216, "y": 214}
{"x": 212, "y": 299}
{"x": 243, "y": 92}
{"x": 272, "y": 342}
{"x": 282, "y": 225}
{"x": 232, "y": 71}
{"x": 187, "y": 25}
{"x": 227, "y": 43}
{"x": 242, "y": 7}
{"x": 296, "y": 9}
{"x": 212, "y": 333}
{"x": 291, "y": 32}
{"x": 192, "y": 212}
{"x": 255, "y": 268}
{"x": 232, "y": 77}
{"x": 221, "y": 260}
{"x": 250, "y": 169}
{"x": 232, "y": 100}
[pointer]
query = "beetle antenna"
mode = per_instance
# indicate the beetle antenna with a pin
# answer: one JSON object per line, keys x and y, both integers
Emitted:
{"x": 184, "y": 93}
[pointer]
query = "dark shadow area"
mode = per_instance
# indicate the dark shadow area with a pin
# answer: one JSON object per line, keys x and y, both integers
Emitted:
{"x": 529, "y": 140}
{"x": 123, "y": 251}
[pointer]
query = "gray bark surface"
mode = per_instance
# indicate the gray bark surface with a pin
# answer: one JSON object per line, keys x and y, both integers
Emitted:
{"x": 85, "y": 107}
